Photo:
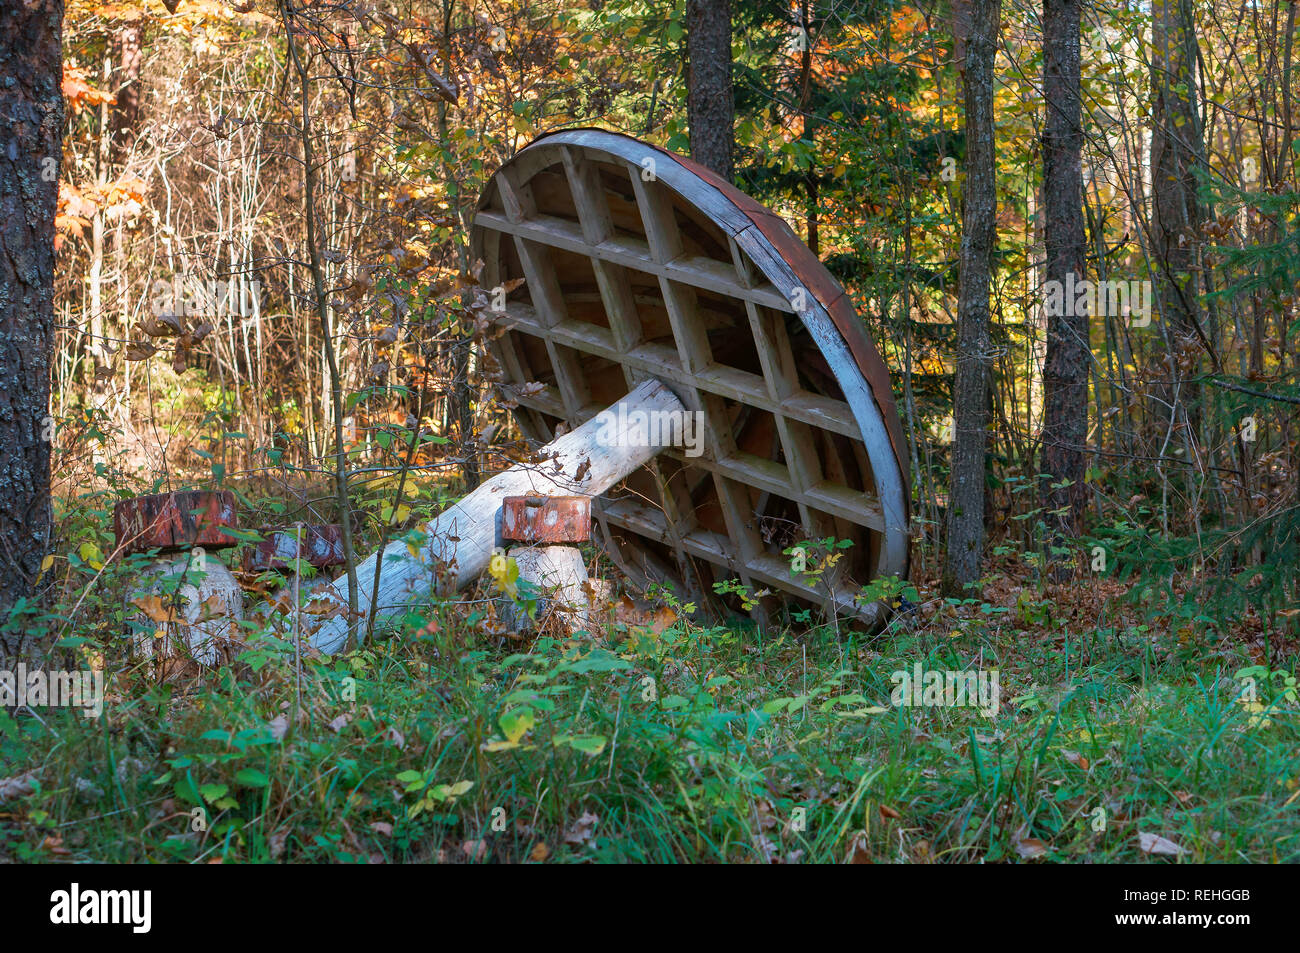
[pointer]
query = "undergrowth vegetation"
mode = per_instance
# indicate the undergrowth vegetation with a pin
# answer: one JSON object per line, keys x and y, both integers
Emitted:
{"x": 660, "y": 738}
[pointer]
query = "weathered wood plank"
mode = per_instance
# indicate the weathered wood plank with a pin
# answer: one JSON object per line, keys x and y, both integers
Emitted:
{"x": 659, "y": 360}
{"x": 632, "y": 253}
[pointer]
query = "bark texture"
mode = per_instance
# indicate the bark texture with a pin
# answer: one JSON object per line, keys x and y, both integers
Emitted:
{"x": 710, "y": 101}
{"x": 1065, "y": 375}
{"x": 974, "y": 354}
{"x": 128, "y": 56}
{"x": 1177, "y": 145}
{"x": 31, "y": 104}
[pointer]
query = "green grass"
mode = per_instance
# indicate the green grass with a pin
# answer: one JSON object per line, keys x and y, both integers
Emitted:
{"x": 698, "y": 744}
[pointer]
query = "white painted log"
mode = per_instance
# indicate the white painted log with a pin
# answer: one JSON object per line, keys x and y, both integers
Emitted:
{"x": 459, "y": 542}
{"x": 559, "y": 573}
{"x": 209, "y": 605}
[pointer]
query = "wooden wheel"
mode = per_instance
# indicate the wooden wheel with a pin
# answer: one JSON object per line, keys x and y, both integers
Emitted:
{"x": 616, "y": 262}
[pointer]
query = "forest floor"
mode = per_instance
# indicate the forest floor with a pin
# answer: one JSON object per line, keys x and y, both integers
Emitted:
{"x": 1121, "y": 735}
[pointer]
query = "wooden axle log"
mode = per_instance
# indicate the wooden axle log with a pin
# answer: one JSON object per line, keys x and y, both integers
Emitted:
{"x": 186, "y": 605}
{"x": 560, "y": 575}
{"x": 459, "y": 542}
{"x": 545, "y": 524}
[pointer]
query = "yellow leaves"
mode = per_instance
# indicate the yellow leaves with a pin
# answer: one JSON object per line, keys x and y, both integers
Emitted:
{"x": 437, "y": 795}
{"x": 394, "y": 515}
{"x": 505, "y": 573}
{"x": 453, "y": 791}
{"x": 514, "y": 725}
{"x": 46, "y": 563}
{"x": 1255, "y": 709}
{"x": 91, "y": 555}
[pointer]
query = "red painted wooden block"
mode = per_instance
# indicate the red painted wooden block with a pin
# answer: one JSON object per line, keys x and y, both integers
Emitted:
{"x": 546, "y": 519}
{"x": 322, "y": 546}
{"x": 180, "y": 520}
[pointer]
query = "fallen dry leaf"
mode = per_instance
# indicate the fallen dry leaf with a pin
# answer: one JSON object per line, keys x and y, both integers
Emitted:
{"x": 1155, "y": 844}
{"x": 17, "y": 786}
{"x": 1075, "y": 758}
{"x": 475, "y": 850}
{"x": 156, "y": 609}
{"x": 1028, "y": 847}
{"x": 582, "y": 830}
{"x": 858, "y": 852}
{"x": 54, "y": 844}
{"x": 539, "y": 852}
{"x": 277, "y": 841}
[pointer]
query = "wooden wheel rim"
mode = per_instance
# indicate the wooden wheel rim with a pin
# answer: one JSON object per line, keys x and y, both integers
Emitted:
{"x": 561, "y": 200}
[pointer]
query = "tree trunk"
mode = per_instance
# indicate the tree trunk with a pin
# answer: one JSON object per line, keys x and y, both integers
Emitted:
{"x": 809, "y": 126}
{"x": 128, "y": 55}
{"x": 974, "y": 354}
{"x": 1065, "y": 375}
{"x": 1175, "y": 146}
{"x": 31, "y": 100}
{"x": 960, "y": 16}
{"x": 1176, "y": 214}
{"x": 710, "y": 103}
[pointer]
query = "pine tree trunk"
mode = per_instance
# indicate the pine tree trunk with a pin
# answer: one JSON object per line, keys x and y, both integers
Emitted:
{"x": 974, "y": 354}
{"x": 710, "y": 102}
{"x": 1065, "y": 375}
{"x": 31, "y": 100}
